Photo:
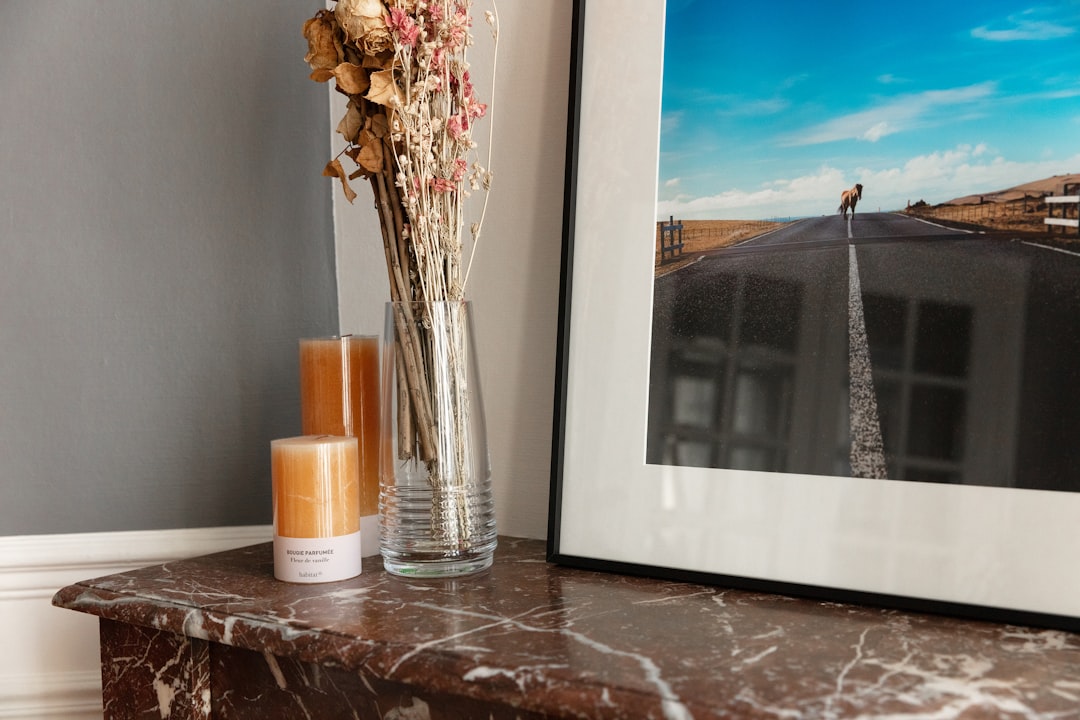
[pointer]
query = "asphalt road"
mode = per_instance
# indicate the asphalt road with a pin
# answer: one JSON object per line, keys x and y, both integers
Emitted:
{"x": 835, "y": 228}
{"x": 877, "y": 345}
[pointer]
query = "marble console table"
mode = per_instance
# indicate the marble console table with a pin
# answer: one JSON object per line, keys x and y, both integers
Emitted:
{"x": 218, "y": 637}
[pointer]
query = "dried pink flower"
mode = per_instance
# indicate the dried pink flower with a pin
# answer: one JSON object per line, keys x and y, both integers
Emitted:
{"x": 457, "y": 126}
{"x": 443, "y": 185}
{"x": 460, "y": 168}
{"x": 408, "y": 32}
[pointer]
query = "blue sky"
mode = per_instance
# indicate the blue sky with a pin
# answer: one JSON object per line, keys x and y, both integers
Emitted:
{"x": 772, "y": 109}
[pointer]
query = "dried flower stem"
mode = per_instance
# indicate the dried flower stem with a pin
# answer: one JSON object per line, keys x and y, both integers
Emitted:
{"x": 477, "y": 227}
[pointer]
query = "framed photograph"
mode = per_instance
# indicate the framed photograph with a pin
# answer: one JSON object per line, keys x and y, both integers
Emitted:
{"x": 817, "y": 335}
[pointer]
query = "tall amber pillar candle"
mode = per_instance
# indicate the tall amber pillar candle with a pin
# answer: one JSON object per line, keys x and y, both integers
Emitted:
{"x": 339, "y": 395}
{"x": 316, "y": 489}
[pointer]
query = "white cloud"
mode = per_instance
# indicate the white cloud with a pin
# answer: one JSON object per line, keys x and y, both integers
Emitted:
{"x": 790, "y": 82}
{"x": 773, "y": 199}
{"x": 896, "y": 114}
{"x": 1024, "y": 27}
{"x": 1067, "y": 94}
{"x": 934, "y": 177}
{"x": 877, "y": 132}
{"x": 673, "y": 182}
{"x": 964, "y": 170}
{"x": 733, "y": 106}
{"x": 672, "y": 121}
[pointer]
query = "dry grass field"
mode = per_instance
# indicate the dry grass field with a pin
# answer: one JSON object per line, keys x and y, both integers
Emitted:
{"x": 1025, "y": 216}
{"x": 701, "y": 236}
{"x": 1018, "y": 209}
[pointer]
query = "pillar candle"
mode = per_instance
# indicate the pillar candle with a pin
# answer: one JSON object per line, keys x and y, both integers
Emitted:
{"x": 316, "y": 496}
{"x": 339, "y": 395}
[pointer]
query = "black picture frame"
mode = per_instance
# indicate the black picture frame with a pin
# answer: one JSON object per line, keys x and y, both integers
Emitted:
{"x": 1001, "y": 554}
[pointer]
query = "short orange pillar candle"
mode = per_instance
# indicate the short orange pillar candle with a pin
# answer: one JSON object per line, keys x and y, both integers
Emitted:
{"x": 316, "y": 497}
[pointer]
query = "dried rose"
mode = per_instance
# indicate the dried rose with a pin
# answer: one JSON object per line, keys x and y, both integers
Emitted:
{"x": 324, "y": 52}
{"x": 377, "y": 39}
{"x": 349, "y": 11}
{"x": 364, "y": 24}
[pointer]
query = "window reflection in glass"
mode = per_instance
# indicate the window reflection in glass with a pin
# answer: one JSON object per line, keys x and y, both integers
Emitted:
{"x": 730, "y": 373}
{"x": 921, "y": 351}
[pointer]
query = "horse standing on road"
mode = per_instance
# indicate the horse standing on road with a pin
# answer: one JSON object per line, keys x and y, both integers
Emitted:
{"x": 848, "y": 198}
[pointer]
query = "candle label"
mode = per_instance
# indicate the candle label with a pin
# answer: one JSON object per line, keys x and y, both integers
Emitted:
{"x": 317, "y": 560}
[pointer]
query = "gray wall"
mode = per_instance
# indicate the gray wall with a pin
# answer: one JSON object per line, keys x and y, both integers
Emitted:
{"x": 165, "y": 238}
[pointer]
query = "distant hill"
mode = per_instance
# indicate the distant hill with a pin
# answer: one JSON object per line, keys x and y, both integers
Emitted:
{"x": 1050, "y": 186}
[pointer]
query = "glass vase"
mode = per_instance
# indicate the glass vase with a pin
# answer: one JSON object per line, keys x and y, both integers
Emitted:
{"x": 438, "y": 512}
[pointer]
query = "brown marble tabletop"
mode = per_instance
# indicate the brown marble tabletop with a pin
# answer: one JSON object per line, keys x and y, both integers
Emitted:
{"x": 530, "y": 639}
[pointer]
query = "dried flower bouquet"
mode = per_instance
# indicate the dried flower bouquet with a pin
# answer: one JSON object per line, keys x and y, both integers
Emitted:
{"x": 408, "y": 129}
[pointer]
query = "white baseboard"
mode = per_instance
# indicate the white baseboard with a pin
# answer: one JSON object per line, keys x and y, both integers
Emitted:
{"x": 67, "y": 695}
{"x": 49, "y": 669}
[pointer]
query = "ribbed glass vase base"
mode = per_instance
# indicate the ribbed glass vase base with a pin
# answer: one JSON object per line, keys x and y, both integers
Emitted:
{"x": 414, "y": 567}
{"x": 437, "y": 534}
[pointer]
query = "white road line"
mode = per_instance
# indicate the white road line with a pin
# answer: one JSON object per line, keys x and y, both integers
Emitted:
{"x": 1050, "y": 247}
{"x": 766, "y": 233}
{"x": 867, "y": 449}
{"x": 943, "y": 227}
{"x": 850, "y": 236}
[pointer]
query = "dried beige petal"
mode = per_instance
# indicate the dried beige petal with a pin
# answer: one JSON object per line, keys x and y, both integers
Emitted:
{"x": 351, "y": 79}
{"x": 384, "y": 91}
{"x": 379, "y": 61}
{"x": 351, "y": 123}
{"x": 334, "y": 169}
{"x": 379, "y": 125}
{"x": 370, "y": 157}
